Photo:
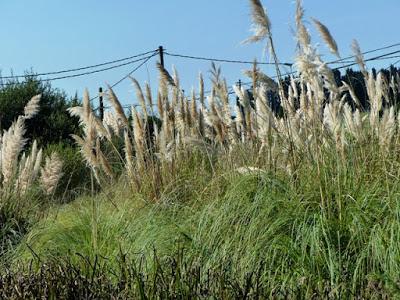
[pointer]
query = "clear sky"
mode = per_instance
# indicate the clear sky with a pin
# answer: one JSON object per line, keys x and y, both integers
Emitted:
{"x": 52, "y": 35}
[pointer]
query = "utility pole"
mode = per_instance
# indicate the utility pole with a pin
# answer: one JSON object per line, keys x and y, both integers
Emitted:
{"x": 241, "y": 107}
{"x": 101, "y": 104}
{"x": 239, "y": 85}
{"x": 161, "y": 54}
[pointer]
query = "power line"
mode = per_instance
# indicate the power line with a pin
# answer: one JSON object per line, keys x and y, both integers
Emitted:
{"x": 134, "y": 70}
{"x": 364, "y": 53}
{"x": 101, "y": 70}
{"x": 90, "y": 72}
{"x": 379, "y": 57}
{"x": 154, "y": 52}
{"x": 127, "y": 75}
{"x": 341, "y": 60}
{"x": 224, "y": 60}
{"x": 383, "y": 58}
{"x": 81, "y": 68}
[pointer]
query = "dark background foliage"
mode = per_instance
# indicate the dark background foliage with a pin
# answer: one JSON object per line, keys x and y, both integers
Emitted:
{"x": 52, "y": 124}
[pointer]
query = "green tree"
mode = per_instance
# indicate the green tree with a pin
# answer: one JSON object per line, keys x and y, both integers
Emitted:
{"x": 52, "y": 124}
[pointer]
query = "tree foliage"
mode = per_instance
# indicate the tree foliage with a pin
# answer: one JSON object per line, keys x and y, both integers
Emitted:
{"x": 52, "y": 124}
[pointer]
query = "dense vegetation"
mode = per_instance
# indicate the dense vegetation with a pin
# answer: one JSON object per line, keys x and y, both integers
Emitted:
{"x": 24, "y": 191}
{"x": 52, "y": 124}
{"x": 199, "y": 197}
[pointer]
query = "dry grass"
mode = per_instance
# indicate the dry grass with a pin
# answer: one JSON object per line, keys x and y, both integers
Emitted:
{"x": 20, "y": 171}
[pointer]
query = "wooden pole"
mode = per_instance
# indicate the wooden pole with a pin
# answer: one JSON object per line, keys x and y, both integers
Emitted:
{"x": 101, "y": 104}
{"x": 161, "y": 54}
{"x": 239, "y": 85}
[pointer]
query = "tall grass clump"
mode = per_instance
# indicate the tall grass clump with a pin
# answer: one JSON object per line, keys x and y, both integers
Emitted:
{"x": 319, "y": 118}
{"x": 23, "y": 179}
{"x": 307, "y": 192}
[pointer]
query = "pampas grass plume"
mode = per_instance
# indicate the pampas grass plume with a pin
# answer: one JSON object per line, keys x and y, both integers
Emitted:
{"x": 51, "y": 173}
{"x": 32, "y": 107}
{"x": 117, "y": 105}
{"x": 165, "y": 76}
{"x": 327, "y": 37}
{"x": 261, "y": 25}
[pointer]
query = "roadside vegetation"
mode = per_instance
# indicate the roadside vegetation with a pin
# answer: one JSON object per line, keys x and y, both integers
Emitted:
{"x": 291, "y": 192}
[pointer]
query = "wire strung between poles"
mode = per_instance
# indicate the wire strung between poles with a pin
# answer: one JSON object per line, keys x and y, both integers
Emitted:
{"x": 224, "y": 60}
{"x": 127, "y": 75}
{"x": 81, "y": 68}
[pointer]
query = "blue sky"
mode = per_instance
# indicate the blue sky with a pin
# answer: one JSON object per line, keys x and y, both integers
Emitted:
{"x": 51, "y": 35}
